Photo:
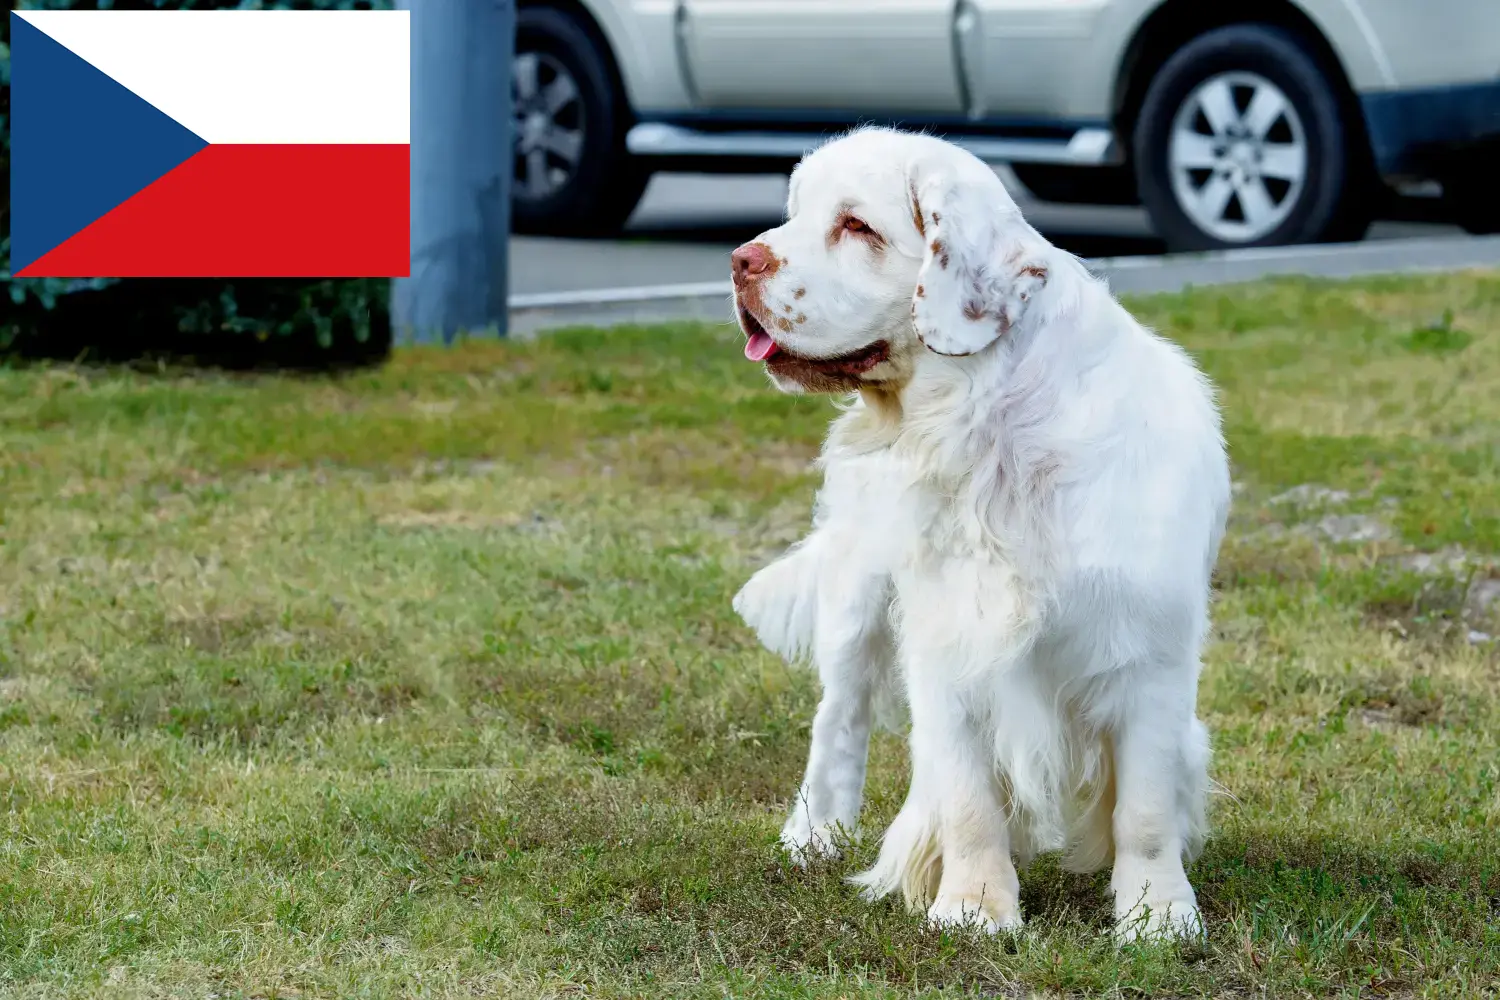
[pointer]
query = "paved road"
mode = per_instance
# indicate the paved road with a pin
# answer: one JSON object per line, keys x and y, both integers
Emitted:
{"x": 687, "y": 224}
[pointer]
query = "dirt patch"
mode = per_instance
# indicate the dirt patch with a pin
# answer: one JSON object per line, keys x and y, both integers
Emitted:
{"x": 1433, "y": 611}
{"x": 1460, "y": 586}
{"x": 1402, "y": 710}
{"x": 1311, "y": 495}
{"x": 1353, "y": 528}
{"x": 1482, "y": 603}
{"x": 1452, "y": 561}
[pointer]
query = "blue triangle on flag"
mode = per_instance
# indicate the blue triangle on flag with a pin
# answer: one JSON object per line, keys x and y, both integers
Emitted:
{"x": 80, "y": 143}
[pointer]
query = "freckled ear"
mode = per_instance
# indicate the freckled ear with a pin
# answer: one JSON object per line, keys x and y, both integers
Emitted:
{"x": 982, "y": 266}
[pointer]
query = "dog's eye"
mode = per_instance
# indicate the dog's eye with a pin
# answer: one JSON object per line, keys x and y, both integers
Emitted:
{"x": 852, "y": 225}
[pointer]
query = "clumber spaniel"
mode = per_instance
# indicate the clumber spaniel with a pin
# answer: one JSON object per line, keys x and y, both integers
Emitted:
{"x": 1021, "y": 508}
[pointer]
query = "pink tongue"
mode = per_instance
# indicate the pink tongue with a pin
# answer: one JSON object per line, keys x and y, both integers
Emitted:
{"x": 760, "y": 346}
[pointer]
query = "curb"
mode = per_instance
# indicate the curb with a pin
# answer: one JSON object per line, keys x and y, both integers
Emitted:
{"x": 704, "y": 301}
{"x": 712, "y": 301}
{"x": 1175, "y": 272}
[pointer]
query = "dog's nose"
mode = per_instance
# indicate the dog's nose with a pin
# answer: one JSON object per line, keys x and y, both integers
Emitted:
{"x": 750, "y": 260}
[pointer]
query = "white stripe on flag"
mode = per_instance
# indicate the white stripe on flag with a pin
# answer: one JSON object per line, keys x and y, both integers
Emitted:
{"x": 255, "y": 76}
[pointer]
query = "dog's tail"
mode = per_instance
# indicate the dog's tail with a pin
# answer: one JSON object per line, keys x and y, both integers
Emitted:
{"x": 781, "y": 603}
{"x": 910, "y": 860}
{"x": 1091, "y": 837}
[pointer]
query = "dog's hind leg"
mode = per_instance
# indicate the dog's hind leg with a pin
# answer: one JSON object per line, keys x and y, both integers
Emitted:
{"x": 1161, "y": 759}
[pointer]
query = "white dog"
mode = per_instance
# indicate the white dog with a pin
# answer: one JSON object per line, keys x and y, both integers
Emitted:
{"x": 1022, "y": 506}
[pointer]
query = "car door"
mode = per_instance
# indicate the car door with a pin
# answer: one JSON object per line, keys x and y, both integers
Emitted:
{"x": 817, "y": 58}
{"x": 1043, "y": 60}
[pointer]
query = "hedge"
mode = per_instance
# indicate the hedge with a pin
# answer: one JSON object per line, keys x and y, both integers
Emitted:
{"x": 233, "y": 322}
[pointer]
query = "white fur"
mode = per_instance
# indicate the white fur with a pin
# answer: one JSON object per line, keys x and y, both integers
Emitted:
{"x": 1018, "y": 520}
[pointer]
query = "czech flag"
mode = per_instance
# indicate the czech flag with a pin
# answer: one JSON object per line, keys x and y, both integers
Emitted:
{"x": 211, "y": 144}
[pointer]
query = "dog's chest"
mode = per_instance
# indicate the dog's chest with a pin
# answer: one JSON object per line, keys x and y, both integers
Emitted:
{"x": 894, "y": 504}
{"x": 920, "y": 528}
{"x": 863, "y": 501}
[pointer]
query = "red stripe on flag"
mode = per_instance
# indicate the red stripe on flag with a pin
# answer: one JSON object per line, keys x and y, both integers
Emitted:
{"x": 254, "y": 211}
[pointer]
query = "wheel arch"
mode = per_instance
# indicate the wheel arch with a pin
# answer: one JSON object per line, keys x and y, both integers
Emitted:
{"x": 1174, "y": 23}
{"x": 586, "y": 19}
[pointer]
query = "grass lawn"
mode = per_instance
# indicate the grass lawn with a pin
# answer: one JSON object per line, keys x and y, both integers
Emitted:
{"x": 424, "y": 681}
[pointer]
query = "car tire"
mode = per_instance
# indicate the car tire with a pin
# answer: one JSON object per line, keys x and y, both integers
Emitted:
{"x": 1242, "y": 141}
{"x": 573, "y": 175}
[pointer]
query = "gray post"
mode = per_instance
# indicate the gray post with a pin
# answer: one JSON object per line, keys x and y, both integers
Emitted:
{"x": 461, "y": 164}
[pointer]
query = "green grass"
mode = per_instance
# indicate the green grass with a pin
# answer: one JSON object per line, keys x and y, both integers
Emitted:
{"x": 424, "y": 681}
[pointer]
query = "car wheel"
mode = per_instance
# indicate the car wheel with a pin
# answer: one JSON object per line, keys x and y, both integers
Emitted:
{"x": 1241, "y": 141}
{"x": 573, "y": 175}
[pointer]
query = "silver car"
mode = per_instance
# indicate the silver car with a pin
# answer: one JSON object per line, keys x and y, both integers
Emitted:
{"x": 1235, "y": 124}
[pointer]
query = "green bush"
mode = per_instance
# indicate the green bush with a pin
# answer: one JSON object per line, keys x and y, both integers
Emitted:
{"x": 51, "y": 316}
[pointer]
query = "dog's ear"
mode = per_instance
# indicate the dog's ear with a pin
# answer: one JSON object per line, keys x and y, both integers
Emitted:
{"x": 982, "y": 265}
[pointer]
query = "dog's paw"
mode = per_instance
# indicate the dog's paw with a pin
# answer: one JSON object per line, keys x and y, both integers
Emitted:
{"x": 1160, "y": 919}
{"x": 806, "y": 842}
{"x": 992, "y": 915}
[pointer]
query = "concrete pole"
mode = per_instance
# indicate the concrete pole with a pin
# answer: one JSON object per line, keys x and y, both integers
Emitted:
{"x": 461, "y": 165}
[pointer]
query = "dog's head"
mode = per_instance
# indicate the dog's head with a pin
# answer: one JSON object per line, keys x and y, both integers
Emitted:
{"x": 895, "y": 244}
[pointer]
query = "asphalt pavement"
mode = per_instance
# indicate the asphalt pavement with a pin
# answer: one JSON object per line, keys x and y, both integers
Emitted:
{"x": 687, "y": 224}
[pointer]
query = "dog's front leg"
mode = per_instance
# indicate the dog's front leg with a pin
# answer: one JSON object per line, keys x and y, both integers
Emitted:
{"x": 853, "y": 650}
{"x": 818, "y": 600}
